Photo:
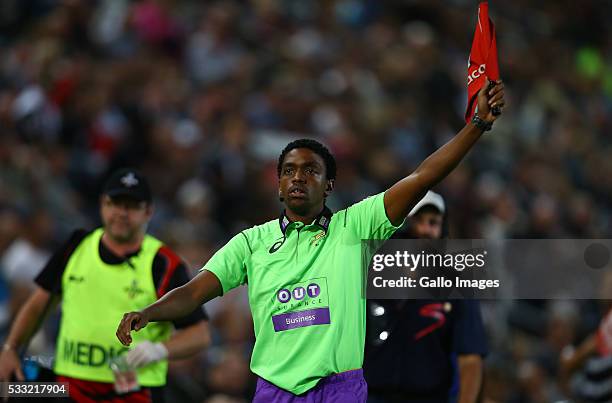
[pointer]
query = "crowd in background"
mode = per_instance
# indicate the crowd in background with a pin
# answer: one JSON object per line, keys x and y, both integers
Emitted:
{"x": 202, "y": 97}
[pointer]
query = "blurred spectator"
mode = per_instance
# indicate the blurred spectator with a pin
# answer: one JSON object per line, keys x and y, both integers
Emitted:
{"x": 26, "y": 256}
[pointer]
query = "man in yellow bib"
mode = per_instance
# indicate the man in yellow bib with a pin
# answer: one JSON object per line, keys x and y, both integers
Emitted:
{"x": 98, "y": 275}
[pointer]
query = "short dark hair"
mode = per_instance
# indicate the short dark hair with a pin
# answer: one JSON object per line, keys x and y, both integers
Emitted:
{"x": 317, "y": 148}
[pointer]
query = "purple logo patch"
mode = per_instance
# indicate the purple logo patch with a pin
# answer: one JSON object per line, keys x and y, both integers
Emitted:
{"x": 283, "y": 295}
{"x": 302, "y": 293}
{"x": 313, "y": 290}
{"x": 292, "y": 320}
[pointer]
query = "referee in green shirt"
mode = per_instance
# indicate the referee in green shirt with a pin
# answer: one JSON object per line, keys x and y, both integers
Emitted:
{"x": 304, "y": 271}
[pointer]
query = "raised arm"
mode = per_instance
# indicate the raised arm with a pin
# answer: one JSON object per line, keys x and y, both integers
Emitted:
{"x": 403, "y": 195}
{"x": 174, "y": 305}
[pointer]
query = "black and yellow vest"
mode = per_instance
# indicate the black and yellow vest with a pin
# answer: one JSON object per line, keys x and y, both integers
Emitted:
{"x": 95, "y": 295}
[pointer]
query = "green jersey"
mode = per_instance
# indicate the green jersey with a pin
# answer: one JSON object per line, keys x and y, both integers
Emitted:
{"x": 305, "y": 291}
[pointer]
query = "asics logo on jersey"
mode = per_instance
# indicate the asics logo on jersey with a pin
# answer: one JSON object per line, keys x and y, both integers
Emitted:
{"x": 276, "y": 246}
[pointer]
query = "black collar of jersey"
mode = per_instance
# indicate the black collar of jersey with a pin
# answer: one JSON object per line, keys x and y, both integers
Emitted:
{"x": 322, "y": 220}
{"x": 109, "y": 257}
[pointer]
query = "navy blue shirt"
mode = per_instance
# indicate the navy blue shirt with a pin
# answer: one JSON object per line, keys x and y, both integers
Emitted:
{"x": 411, "y": 346}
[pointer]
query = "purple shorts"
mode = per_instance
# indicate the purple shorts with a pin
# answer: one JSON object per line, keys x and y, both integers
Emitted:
{"x": 345, "y": 387}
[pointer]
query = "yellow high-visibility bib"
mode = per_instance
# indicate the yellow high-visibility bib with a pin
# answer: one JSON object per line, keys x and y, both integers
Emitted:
{"x": 95, "y": 295}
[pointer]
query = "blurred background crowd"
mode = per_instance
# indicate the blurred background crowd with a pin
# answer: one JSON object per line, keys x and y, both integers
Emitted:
{"x": 202, "y": 97}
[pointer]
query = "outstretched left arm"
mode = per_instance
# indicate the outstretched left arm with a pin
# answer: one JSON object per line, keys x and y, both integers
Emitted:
{"x": 403, "y": 195}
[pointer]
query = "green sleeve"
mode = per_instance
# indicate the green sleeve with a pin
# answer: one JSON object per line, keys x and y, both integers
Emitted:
{"x": 229, "y": 262}
{"x": 368, "y": 218}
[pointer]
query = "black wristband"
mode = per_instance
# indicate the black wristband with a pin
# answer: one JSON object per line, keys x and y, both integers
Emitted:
{"x": 481, "y": 124}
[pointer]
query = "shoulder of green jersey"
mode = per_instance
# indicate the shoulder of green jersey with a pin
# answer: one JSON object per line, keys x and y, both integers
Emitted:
{"x": 262, "y": 228}
{"x": 357, "y": 204}
{"x": 264, "y": 231}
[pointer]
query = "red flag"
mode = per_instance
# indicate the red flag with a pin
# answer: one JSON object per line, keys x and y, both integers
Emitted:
{"x": 483, "y": 58}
